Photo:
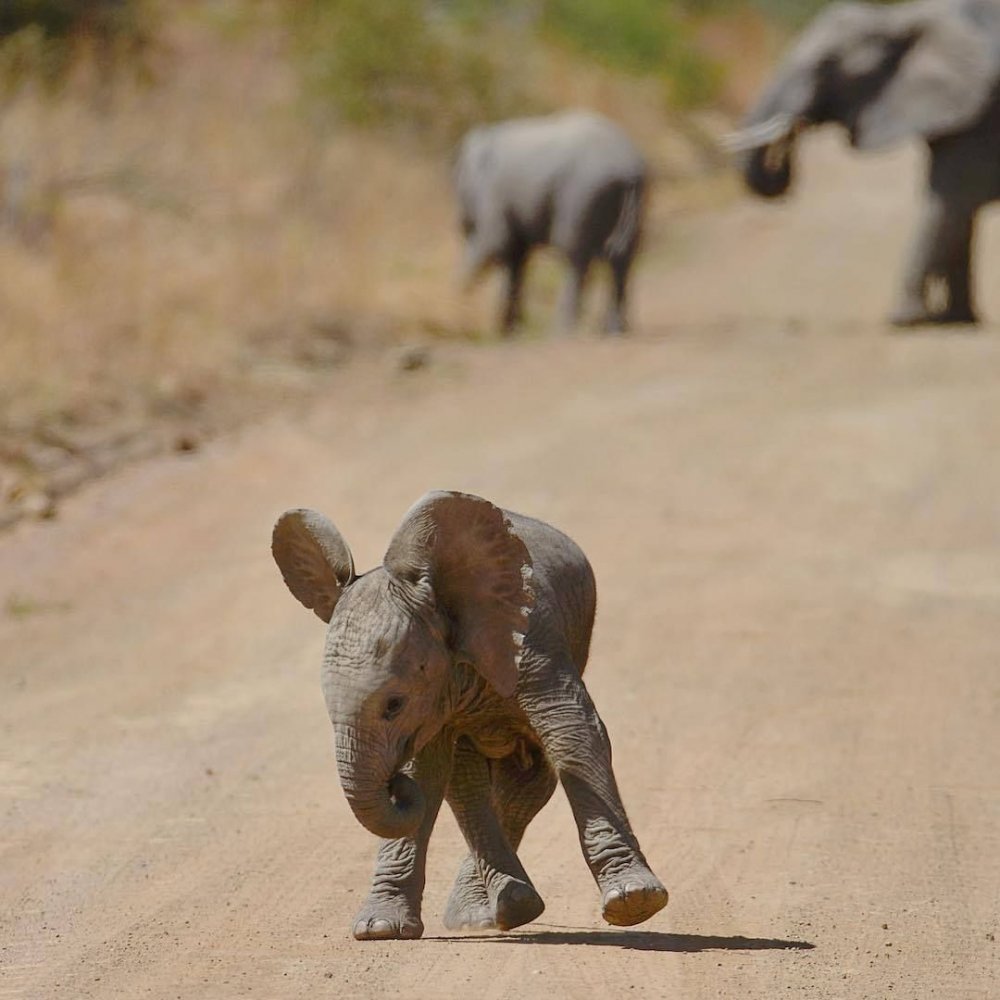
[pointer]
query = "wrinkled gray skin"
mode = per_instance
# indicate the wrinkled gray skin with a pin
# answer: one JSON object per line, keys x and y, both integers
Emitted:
{"x": 573, "y": 181}
{"x": 928, "y": 69}
{"x": 453, "y": 671}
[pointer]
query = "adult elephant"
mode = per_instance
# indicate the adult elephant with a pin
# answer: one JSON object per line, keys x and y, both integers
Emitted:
{"x": 928, "y": 69}
{"x": 574, "y": 181}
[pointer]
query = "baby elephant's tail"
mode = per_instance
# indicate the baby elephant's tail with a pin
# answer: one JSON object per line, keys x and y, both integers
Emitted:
{"x": 622, "y": 239}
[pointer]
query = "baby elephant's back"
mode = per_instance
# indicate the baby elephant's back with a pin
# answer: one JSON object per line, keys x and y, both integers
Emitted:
{"x": 564, "y": 587}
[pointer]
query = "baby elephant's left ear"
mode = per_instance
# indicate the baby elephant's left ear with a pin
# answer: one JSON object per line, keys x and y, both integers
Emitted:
{"x": 313, "y": 558}
{"x": 479, "y": 571}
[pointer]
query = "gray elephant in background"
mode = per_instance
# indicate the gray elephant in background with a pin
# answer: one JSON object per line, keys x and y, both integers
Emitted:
{"x": 453, "y": 670}
{"x": 928, "y": 69}
{"x": 573, "y": 181}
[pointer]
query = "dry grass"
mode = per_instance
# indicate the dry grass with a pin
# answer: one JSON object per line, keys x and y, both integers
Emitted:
{"x": 200, "y": 238}
{"x": 154, "y": 243}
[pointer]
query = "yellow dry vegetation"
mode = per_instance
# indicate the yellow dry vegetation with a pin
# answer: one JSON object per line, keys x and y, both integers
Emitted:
{"x": 205, "y": 229}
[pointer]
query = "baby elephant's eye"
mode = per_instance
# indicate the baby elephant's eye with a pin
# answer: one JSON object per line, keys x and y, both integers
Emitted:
{"x": 393, "y": 707}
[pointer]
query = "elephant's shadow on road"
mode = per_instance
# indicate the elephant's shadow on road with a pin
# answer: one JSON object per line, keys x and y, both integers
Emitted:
{"x": 637, "y": 940}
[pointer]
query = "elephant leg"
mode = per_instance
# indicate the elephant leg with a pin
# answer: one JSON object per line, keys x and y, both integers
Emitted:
{"x": 912, "y": 307}
{"x": 958, "y": 271}
{"x": 392, "y": 909}
{"x": 521, "y": 785}
{"x": 492, "y": 889}
{"x": 615, "y": 322}
{"x": 512, "y": 311}
{"x": 572, "y": 295}
{"x": 577, "y": 745}
{"x": 942, "y": 250}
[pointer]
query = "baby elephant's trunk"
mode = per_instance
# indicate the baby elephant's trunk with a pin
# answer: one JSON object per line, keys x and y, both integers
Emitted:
{"x": 383, "y": 799}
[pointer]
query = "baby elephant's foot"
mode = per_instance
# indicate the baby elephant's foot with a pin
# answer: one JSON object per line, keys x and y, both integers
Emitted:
{"x": 517, "y": 903}
{"x": 385, "y": 919}
{"x": 469, "y": 907}
{"x": 512, "y": 904}
{"x": 633, "y": 898}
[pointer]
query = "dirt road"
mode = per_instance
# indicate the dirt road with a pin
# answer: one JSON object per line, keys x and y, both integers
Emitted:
{"x": 794, "y": 520}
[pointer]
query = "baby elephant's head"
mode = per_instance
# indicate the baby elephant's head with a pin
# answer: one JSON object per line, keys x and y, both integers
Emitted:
{"x": 452, "y": 589}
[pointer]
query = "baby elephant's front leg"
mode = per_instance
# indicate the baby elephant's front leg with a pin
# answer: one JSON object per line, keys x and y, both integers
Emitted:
{"x": 492, "y": 888}
{"x": 576, "y": 743}
{"x": 392, "y": 909}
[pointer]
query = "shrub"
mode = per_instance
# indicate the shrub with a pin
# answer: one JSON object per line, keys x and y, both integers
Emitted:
{"x": 46, "y": 38}
{"x": 644, "y": 37}
{"x": 794, "y": 13}
{"x": 379, "y": 62}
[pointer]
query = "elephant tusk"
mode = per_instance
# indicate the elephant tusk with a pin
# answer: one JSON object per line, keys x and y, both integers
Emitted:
{"x": 775, "y": 128}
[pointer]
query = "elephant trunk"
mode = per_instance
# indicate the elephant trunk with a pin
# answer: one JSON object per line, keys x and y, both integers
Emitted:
{"x": 385, "y": 801}
{"x": 768, "y": 169}
{"x": 765, "y": 144}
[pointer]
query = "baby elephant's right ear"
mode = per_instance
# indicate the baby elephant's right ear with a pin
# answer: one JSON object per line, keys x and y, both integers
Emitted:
{"x": 313, "y": 558}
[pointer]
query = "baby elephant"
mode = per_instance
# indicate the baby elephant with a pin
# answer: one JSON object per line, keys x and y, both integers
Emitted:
{"x": 574, "y": 181}
{"x": 453, "y": 670}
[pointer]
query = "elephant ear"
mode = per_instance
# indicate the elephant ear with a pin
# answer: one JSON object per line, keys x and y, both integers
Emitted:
{"x": 313, "y": 558}
{"x": 945, "y": 77}
{"x": 479, "y": 572}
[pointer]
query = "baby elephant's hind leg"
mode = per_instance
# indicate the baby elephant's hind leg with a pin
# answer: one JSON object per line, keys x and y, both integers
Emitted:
{"x": 519, "y": 785}
{"x": 571, "y": 298}
{"x": 616, "y": 319}
{"x": 522, "y": 784}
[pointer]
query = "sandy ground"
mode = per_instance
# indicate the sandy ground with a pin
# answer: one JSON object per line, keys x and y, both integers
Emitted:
{"x": 794, "y": 520}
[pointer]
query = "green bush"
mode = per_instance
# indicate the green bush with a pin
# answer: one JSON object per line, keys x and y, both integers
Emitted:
{"x": 440, "y": 65}
{"x": 794, "y": 13}
{"x": 380, "y": 62}
{"x": 644, "y": 37}
{"x": 633, "y": 35}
